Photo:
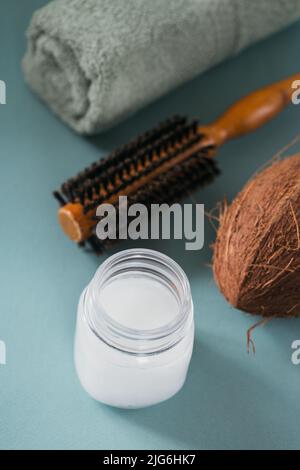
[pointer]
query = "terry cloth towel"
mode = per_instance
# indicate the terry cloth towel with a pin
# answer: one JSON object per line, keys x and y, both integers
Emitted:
{"x": 97, "y": 61}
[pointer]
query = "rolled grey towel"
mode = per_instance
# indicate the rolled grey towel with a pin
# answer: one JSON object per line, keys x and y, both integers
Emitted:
{"x": 97, "y": 61}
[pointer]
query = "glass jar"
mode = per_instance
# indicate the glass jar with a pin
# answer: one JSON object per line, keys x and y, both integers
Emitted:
{"x": 140, "y": 359}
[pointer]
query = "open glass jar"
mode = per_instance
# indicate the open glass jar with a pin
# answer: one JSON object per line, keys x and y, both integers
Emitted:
{"x": 135, "y": 330}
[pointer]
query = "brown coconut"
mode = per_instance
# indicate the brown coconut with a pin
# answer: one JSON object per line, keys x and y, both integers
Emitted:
{"x": 257, "y": 253}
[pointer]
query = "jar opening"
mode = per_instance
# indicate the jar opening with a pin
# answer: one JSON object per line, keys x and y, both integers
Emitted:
{"x": 139, "y": 301}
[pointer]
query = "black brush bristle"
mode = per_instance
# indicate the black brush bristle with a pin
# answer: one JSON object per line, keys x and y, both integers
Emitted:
{"x": 178, "y": 182}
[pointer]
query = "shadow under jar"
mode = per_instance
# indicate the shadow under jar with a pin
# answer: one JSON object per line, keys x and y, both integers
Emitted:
{"x": 135, "y": 330}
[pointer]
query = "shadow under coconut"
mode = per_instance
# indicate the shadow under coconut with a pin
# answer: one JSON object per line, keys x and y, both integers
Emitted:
{"x": 218, "y": 394}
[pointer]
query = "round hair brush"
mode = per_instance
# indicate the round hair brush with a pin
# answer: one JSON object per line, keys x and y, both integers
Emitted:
{"x": 162, "y": 165}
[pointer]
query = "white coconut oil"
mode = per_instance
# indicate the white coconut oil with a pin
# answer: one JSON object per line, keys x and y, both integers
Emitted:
{"x": 135, "y": 330}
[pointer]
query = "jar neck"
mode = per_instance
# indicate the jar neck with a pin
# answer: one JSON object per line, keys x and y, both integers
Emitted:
{"x": 136, "y": 341}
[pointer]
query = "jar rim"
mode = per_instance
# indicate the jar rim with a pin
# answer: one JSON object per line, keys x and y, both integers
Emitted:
{"x": 128, "y": 339}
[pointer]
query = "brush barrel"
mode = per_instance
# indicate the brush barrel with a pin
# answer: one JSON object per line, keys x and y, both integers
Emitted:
{"x": 74, "y": 223}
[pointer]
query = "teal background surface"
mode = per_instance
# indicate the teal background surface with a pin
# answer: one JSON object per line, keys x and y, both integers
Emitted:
{"x": 231, "y": 400}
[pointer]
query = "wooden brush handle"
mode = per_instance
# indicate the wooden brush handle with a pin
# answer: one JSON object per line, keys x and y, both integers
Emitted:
{"x": 251, "y": 112}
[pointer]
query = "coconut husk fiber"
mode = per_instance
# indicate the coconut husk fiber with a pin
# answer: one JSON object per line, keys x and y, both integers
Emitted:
{"x": 257, "y": 252}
